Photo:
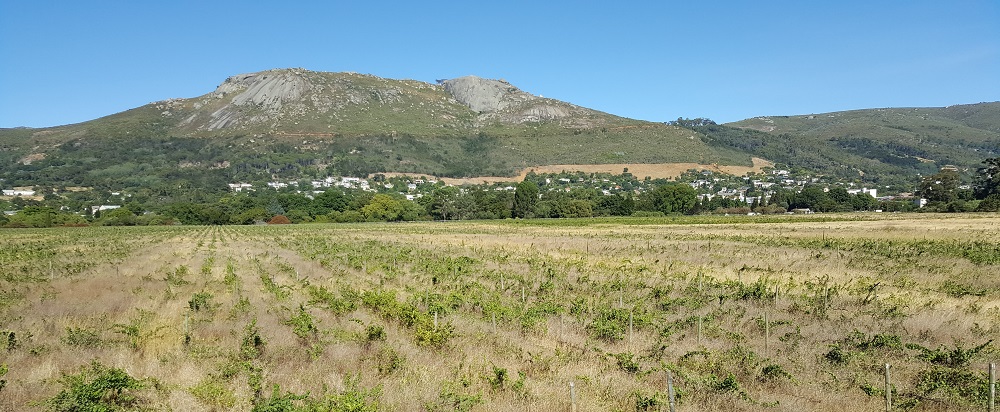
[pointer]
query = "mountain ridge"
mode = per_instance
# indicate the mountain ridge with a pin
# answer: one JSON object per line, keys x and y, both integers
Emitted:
{"x": 293, "y": 123}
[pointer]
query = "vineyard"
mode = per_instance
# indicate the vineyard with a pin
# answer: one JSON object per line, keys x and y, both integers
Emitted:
{"x": 785, "y": 313}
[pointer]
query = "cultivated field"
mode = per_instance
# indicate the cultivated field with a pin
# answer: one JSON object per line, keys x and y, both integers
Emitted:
{"x": 789, "y": 313}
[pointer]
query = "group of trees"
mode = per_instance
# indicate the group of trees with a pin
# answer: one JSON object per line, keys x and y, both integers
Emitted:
{"x": 530, "y": 199}
{"x": 944, "y": 190}
{"x": 820, "y": 199}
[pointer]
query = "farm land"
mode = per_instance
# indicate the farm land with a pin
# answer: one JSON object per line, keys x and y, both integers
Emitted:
{"x": 762, "y": 313}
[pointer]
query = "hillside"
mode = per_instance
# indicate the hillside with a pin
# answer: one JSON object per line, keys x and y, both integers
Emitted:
{"x": 297, "y": 123}
{"x": 875, "y": 145}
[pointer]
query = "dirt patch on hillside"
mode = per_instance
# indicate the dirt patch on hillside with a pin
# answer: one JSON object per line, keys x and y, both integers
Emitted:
{"x": 639, "y": 170}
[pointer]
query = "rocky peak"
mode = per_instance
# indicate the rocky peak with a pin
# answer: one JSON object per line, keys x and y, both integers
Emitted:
{"x": 485, "y": 95}
{"x": 266, "y": 90}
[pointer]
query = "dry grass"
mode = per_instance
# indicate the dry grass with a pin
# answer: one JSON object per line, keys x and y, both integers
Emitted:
{"x": 666, "y": 275}
{"x": 639, "y": 170}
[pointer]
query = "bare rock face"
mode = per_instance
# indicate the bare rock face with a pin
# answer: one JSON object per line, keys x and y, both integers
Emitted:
{"x": 499, "y": 101}
{"x": 485, "y": 95}
{"x": 268, "y": 90}
{"x": 301, "y": 101}
{"x": 265, "y": 91}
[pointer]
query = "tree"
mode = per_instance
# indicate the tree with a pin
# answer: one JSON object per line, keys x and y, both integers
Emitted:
{"x": 382, "y": 207}
{"x": 119, "y": 217}
{"x": 620, "y": 204}
{"x": 811, "y": 197}
{"x": 940, "y": 187}
{"x": 525, "y": 199}
{"x": 250, "y": 216}
{"x": 674, "y": 198}
{"x": 988, "y": 179}
{"x": 329, "y": 201}
{"x": 34, "y": 216}
{"x": 443, "y": 203}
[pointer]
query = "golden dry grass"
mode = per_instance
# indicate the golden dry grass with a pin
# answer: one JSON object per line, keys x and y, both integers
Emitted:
{"x": 639, "y": 170}
{"x": 666, "y": 275}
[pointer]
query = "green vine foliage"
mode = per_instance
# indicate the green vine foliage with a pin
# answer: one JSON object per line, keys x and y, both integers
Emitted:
{"x": 96, "y": 388}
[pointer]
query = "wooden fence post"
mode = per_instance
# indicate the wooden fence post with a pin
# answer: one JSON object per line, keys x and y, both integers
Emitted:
{"x": 670, "y": 390}
{"x": 572, "y": 397}
{"x": 993, "y": 387}
{"x": 888, "y": 390}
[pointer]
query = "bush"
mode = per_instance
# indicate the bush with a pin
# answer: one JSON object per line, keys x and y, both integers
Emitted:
{"x": 626, "y": 362}
{"x": 729, "y": 384}
{"x": 610, "y": 325}
{"x": 279, "y": 220}
{"x": 96, "y": 388}
{"x": 200, "y": 301}
{"x": 81, "y": 337}
{"x": 252, "y": 345}
{"x": 375, "y": 333}
{"x": 955, "y": 358}
{"x": 303, "y": 324}
{"x": 958, "y": 384}
{"x": 774, "y": 372}
{"x": 388, "y": 360}
{"x": 990, "y": 204}
{"x": 837, "y": 355}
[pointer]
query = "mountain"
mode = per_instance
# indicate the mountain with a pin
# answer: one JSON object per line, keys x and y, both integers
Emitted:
{"x": 885, "y": 146}
{"x": 300, "y": 123}
{"x": 297, "y": 124}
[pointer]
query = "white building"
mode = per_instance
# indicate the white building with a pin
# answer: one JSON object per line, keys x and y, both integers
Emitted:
{"x": 18, "y": 192}
{"x": 95, "y": 209}
{"x": 239, "y": 187}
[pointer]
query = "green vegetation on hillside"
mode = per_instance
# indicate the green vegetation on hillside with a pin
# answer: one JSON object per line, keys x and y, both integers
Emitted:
{"x": 881, "y": 146}
{"x": 340, "y": 123}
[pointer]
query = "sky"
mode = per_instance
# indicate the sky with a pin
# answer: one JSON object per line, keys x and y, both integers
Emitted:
{"x": 65, "y": 62}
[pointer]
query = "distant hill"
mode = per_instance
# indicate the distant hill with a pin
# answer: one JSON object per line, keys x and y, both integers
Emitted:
{"x": 294, "y": 122}
{"x": 876, "y": 145}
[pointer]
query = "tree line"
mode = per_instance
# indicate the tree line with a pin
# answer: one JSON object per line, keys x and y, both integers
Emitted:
{"x": 942, "y": 190}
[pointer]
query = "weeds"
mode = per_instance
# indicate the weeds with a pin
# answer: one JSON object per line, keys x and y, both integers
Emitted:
{"x": 96, "y": 388}
{"x": 82, "y": 337}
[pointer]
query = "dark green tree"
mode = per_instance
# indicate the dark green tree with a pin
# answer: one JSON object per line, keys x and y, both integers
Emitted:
{"x": 329, "y": 201}
{"x": 811, "y": 197}
{"x": 525, "y": 199}
{"x": 119, "y": 217}
{"x": 443, "y": 203}
{"x": 674, "y": 198}
{"x": 988, "y": 178}
{"x": 940, "y": 187}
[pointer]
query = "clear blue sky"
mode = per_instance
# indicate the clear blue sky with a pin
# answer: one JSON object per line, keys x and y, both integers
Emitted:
{"x": 70, "y": 61}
